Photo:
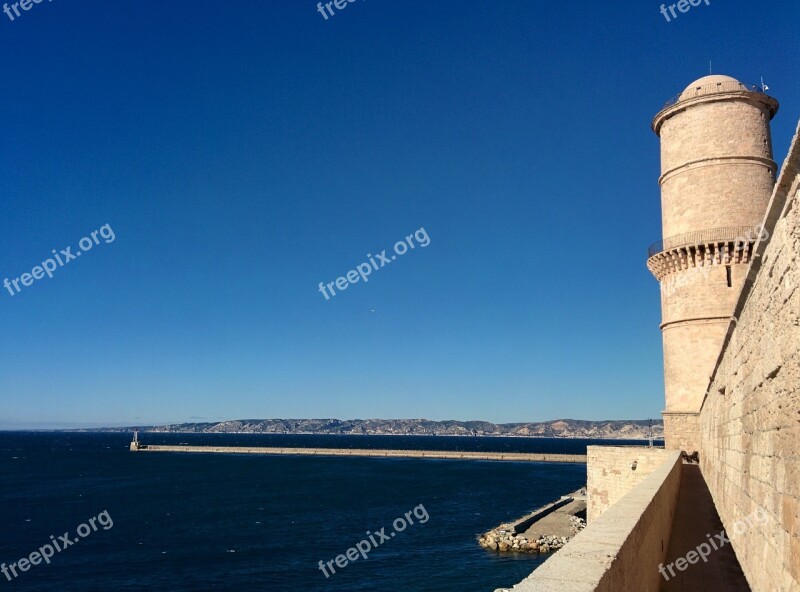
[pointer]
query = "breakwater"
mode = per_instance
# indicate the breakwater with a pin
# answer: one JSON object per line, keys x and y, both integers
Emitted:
{"x": 433, "y": 454}
{"x": 543, "y": 531}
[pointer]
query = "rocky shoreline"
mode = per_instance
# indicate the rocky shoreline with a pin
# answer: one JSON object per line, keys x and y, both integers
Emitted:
{"x": 543, "y": 531}
{"x": 506, "y": 541}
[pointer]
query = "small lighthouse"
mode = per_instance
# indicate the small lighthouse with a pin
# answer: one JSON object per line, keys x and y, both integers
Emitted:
{"x": 135, "y": 445}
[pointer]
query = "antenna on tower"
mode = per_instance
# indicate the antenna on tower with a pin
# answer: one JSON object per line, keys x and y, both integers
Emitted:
{"x": 764, "y": 87}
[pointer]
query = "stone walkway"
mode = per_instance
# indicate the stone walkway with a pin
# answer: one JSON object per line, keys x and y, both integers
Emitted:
{"x": 695, "y": 518}
{"x": 557, "y": 523}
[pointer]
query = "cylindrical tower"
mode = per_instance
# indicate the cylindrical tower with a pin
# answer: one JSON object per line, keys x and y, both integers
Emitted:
{"x": 717, "y": 176}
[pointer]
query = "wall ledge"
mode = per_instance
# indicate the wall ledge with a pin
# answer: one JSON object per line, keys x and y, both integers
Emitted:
{"x": 620, "y": 550}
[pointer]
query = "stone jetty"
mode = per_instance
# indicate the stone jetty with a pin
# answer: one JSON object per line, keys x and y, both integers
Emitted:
{"x": 546, "y": 530}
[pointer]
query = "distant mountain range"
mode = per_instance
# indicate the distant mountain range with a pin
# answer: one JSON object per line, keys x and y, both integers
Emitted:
{"x": 561, "y": 428}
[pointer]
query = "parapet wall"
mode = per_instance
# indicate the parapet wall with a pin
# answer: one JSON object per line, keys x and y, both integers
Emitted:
{"x": 750, "y": 420}
{"x": 621, "y": 550}
{"x": 683, "y": 430}
{"x": 609, "y": 475}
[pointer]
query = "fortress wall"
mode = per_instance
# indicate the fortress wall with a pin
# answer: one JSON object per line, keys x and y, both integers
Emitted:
{"x": 622, "y": 549}
{"x": 750, "y": 420}
{"x": 684, "y": 430}
{"x": 610, "y": 477}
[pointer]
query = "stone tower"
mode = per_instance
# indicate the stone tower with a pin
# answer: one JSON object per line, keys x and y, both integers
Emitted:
{"x": 717, "y": 175}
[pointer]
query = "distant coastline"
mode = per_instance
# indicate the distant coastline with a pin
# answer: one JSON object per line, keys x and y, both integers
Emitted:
{"x": 563, "y": 428}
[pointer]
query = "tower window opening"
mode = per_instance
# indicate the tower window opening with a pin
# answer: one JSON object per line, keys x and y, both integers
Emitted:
{"x": 728, "y": 275}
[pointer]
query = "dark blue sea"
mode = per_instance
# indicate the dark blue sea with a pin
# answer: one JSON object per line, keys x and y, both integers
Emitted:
{"x": 192, "y": 522}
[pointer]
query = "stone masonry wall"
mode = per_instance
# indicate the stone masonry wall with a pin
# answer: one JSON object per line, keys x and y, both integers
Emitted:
{"x": 620, "y": 551}
{"x": 610, "y": 477}
{"x": 750, "y": 420}
{"x": 683, "y": 431}
{"x": 716, "y": 164}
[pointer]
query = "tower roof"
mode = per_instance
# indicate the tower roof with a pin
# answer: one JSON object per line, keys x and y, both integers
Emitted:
{"x": 710, "y": 85}
{"x": 707, "y": 88}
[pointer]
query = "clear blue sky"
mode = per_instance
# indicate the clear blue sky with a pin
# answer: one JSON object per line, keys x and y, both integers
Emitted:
{"x": 243, "y": 152}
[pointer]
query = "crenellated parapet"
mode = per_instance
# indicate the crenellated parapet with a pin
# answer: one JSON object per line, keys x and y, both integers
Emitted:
{"x": 719, "y": 246}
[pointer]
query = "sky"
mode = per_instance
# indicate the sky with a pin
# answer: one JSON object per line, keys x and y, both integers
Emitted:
{"x": 241, "y": 153}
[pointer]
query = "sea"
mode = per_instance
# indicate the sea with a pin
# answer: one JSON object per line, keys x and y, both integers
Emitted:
{"x": 192, "y": 522}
